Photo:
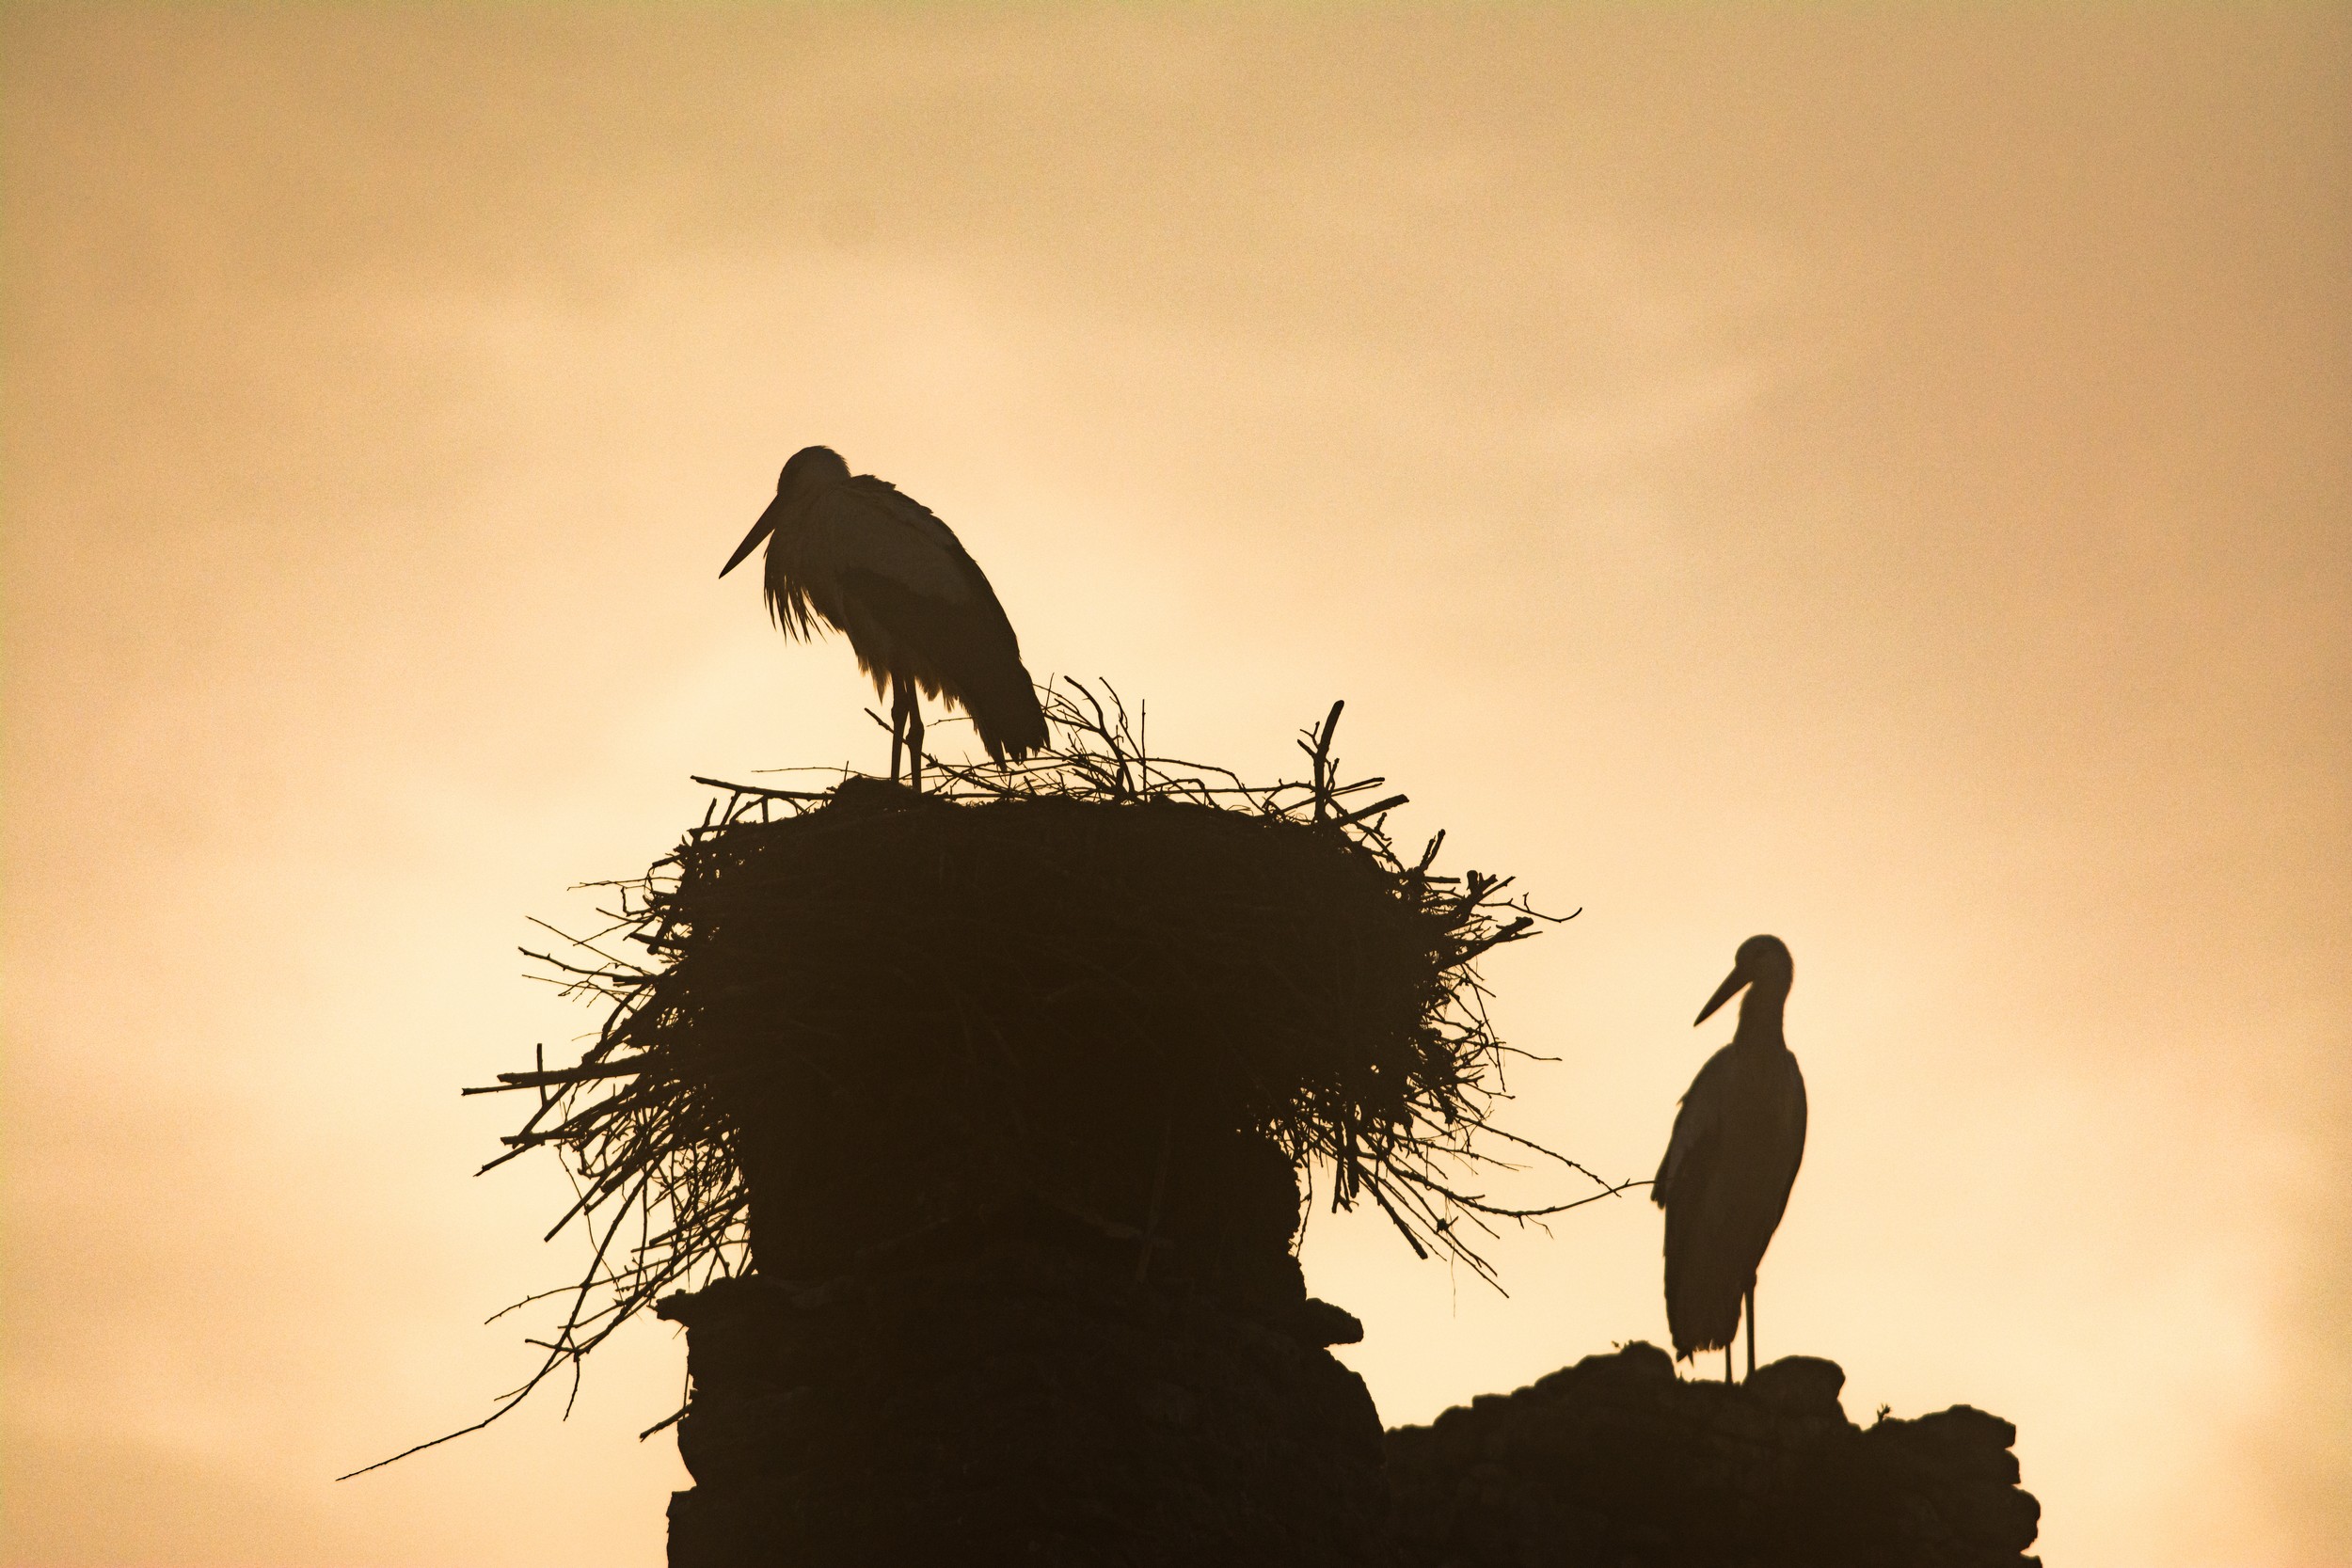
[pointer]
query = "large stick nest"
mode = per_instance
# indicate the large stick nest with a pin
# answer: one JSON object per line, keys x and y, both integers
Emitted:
{"x": 861, "y": 1008}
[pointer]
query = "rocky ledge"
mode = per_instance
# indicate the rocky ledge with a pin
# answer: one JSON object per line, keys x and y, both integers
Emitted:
{"x": 1617, "y": 1462}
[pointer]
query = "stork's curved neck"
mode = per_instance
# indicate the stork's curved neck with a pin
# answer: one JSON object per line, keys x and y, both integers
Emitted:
{"x": 1760, "y": 1010}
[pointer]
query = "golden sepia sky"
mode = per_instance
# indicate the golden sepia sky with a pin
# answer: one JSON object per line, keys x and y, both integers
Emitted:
{"x": 1881, "y": 476}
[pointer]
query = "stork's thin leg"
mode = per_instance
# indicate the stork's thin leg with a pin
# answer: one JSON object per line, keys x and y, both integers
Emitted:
{"x": 1750, "y": 1330}
{"x": 1735, "y": 1334}
{"x": 898, "y": 723}
{"x": 914, "y": 737}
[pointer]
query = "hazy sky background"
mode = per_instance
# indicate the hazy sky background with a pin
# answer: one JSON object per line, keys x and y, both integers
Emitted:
{"x": 1883, "y": 479}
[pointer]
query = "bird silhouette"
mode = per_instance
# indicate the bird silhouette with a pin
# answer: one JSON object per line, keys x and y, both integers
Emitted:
{"x": 1733, "y": 1157}
{"x": 875, "y": 564}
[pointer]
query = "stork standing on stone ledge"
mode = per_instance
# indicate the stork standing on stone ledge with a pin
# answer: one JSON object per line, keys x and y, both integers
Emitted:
{"x": 876, "y": 565}
{"x": 1737, "y": 1143}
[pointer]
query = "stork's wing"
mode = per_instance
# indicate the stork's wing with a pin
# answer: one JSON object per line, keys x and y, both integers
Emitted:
{"x": 1692, "y": 1150}
{"x": 877, "y": 564}
{"x": 1707, "y": 1261}
{"x": 870, "y": 525}
{"x": 1796, "y": 1153}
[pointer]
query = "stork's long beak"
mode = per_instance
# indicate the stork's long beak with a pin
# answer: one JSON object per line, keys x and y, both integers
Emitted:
{"x": 1725, "y": 992}
{"x": 760, "y": 530}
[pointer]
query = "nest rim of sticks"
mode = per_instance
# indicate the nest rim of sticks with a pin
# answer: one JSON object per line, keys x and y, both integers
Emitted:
{"x": 641, "y": 1147}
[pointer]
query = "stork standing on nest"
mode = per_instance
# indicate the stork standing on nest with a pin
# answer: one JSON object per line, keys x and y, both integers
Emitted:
{"x": 876, "y": 565}
{"x": 1737, "y": 1143}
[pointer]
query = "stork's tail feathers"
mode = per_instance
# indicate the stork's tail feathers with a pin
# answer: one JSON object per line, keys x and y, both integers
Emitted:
{"x": 1007, "y": 714}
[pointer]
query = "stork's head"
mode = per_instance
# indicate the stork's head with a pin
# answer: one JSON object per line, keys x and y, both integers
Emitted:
{"x": 1764, "y": 963}
{"x": 811, "y": 470}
